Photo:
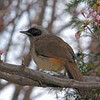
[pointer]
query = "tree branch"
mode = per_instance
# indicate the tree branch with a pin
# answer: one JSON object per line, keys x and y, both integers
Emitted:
{"x": 25, "y": 76}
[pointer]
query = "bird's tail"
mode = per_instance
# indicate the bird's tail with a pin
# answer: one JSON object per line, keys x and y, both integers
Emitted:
{"x": 74, "y": 73}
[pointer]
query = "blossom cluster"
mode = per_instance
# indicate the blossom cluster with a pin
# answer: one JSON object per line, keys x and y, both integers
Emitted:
{"x": 91, "y": 16}
{"x": 94, "y": 15}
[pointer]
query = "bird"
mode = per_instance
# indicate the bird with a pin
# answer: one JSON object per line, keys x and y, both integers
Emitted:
{"x": 52, "y": 53}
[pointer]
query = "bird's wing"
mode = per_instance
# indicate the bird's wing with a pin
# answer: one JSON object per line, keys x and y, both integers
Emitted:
{"x": 54, "y": 47}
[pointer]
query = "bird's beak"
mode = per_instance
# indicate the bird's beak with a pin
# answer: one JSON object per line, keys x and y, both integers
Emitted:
{"x": 25, "y": 32}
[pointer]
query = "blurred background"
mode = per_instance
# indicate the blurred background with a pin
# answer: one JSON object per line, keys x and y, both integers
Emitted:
{"x": 68, "y": 19}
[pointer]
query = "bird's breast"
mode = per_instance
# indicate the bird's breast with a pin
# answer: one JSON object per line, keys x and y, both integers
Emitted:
{"x": 46, "y": 63}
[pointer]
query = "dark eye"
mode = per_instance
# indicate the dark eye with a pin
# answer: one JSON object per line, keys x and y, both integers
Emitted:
{"x": 34, "y": 32}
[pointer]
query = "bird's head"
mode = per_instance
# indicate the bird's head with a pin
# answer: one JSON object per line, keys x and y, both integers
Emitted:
{"x": 35, "y": 32}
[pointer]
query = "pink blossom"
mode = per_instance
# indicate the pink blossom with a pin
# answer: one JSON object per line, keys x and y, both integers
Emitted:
{"x": 98, "y": 17}
{"x": 83, "y": 12}
{"x": 90, "y": 10}
{"x": 94, "y": 14}
{"x": 1, "y": 51}
{"x": 88, "y": 16}
{"x": 95, "y": 23}
{"x": 77, "y": 35}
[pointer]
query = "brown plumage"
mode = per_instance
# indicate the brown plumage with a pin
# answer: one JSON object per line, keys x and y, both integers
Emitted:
{"x": 51, "y": 53}
{"x": 51, "y": 46}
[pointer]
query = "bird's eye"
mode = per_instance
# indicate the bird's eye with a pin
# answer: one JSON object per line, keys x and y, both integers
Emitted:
{"x": 34, "y": 32}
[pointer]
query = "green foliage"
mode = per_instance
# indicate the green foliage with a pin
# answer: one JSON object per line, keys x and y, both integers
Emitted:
{"x": 74, "y": 3}
{"x": 91, "y": 2}
{"x": 94, "y": 56}
{"x": 94, "y": 95}
{"x": 76, "y": 22}
{"x": 84, "y": 67}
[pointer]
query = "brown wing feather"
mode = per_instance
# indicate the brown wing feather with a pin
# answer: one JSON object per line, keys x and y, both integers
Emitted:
{"x": 53, "y": 46}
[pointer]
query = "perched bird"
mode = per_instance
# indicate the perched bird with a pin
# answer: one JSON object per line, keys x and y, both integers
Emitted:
{"x": 51, "y": 53}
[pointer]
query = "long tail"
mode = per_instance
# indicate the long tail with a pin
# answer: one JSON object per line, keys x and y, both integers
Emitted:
{"x": 74, "y": 73}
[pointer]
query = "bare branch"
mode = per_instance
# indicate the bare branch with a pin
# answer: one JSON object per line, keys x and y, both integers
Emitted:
{"x": 50, "y": 25}
{"x": 28, "y": 93}
{"x": 43, "y": 8}
{"x": 16, "y": 92}
{"x": 19, "y": 75}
